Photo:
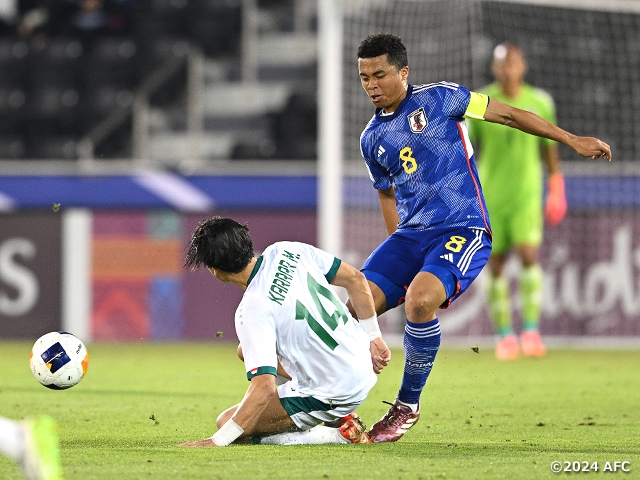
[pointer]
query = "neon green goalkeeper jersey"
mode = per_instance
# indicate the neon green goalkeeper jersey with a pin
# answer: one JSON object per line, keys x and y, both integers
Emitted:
{"x": 509, "y": 161}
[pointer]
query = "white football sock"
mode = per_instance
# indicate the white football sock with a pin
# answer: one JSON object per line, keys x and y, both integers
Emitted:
{"x": 314, "y": 436}
{"x": 11, "y": 438}
{"x": 414, "y": 406}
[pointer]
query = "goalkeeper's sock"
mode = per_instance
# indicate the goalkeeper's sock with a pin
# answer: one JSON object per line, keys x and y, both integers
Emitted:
{"x": 531, "y": 280}
{"x": 315, "y": 436}
{"x": 500, "y": 305}
{"x": 421, "y": 344}
{"x": 11, "y": 438}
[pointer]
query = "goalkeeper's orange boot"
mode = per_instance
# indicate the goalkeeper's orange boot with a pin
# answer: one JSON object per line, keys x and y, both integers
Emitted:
{"x": 531, "y": 344}
{"x": 352, "y": 428}
{"x": 507, "y": 348}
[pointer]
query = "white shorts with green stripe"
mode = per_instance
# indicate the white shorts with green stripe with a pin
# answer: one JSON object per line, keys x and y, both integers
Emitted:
{"x": 306, "y": 411}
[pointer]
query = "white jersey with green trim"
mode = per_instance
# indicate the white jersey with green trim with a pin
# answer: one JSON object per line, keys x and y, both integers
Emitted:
{"x": 289, "y": 313}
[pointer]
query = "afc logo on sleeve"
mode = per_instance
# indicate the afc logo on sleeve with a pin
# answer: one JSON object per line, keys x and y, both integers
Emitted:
{"x": 417, "y": 120}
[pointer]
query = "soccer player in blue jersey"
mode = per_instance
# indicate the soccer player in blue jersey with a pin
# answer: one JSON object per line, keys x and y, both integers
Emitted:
{"x": 422, "y": 164}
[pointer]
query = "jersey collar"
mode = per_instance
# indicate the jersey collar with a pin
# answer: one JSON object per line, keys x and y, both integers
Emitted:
{"x": 387, "y": 118}
{"x": 256, "y": 267}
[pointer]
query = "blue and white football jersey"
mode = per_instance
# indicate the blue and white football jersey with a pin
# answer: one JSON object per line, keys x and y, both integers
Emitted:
{"x": 423, "y": 149}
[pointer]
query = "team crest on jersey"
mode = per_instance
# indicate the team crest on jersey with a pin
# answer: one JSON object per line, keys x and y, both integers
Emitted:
{"x": 417, "y": 120}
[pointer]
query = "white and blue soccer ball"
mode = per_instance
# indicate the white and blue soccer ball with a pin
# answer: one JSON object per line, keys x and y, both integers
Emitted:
{"x": 59, "y": 360}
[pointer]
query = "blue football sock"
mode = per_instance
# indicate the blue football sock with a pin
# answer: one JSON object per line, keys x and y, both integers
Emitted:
{"x": 421, "y": 344}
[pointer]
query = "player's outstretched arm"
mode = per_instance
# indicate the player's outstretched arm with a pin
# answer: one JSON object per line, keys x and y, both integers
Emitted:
{"x": 498, "y": 112}
{"x": 245, "y": 419}
{"x": 357, "y": 287}
{"x": 380, "y": 354}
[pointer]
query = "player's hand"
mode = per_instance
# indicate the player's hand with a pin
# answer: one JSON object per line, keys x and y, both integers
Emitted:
{"x": 206, "y": 443}
{"x": 591, "y": 147}
{"x": 380, "y": 354}
{"x": 556, "y": 205}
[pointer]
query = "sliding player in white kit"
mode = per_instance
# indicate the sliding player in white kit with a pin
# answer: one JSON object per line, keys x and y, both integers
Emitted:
{"x": 290, "y": 324}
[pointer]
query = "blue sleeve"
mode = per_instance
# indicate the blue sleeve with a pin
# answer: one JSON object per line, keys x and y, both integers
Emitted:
{"x": 377, "y": 173}
{"x": 455, "y": 99}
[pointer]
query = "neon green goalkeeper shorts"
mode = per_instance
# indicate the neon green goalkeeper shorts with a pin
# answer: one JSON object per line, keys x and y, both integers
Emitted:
{"x": 522, "y": 226}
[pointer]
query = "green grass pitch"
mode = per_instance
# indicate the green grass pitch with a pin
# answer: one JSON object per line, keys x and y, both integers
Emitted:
{"x": 480, "y": 418}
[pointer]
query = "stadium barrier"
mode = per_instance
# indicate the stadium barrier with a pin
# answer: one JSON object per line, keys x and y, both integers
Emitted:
{"x": 108, "y": 264}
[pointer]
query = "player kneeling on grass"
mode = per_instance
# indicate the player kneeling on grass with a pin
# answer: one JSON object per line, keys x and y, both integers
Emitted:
{"x": 290, "y": 322}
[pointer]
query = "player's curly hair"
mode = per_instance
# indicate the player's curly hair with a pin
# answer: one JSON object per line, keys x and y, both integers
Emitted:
{"x": 381, "y": 43}
{"x": 220, "y": 243}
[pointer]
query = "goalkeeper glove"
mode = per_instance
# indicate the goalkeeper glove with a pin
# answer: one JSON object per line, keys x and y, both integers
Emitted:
{"x": 556, "y": 205}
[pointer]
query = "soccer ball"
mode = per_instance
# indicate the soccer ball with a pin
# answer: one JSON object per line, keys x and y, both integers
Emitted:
{"x": 59, "y": 360}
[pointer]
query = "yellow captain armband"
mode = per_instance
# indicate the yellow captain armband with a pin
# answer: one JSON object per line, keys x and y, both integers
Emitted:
{"x": 477, "y": 106}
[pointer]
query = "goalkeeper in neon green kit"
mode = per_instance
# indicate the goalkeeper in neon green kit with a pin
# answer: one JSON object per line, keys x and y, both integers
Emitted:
{"x": 510, "y": 169}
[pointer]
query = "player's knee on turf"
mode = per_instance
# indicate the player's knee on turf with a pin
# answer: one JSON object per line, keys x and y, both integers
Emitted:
{"x": 225, "y": 416}
{"x": 240, "y": 354}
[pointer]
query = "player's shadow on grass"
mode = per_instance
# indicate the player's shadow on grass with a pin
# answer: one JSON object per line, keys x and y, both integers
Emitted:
{"x": 133, "y": 393}
{"x": 436, "y": 450}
